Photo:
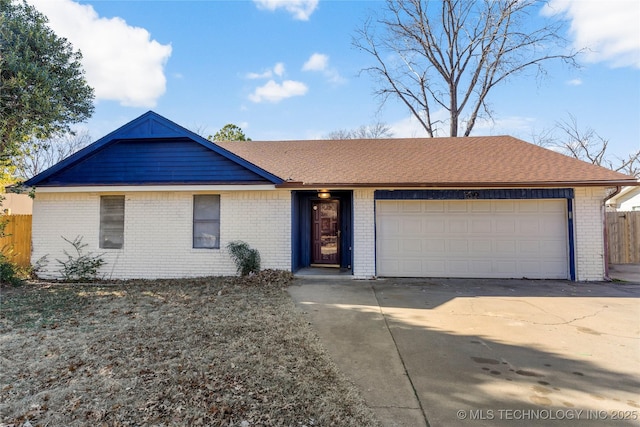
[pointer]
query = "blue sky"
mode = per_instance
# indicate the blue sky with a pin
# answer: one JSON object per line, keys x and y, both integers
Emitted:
{"x": 288, "y": 70}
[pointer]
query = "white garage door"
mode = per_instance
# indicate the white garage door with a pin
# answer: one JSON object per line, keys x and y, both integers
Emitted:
{"x": 472, "y": 238}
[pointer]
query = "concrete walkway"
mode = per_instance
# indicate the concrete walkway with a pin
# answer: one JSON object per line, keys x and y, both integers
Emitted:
{"x": 448, "y": 352}
{"x": 354, "y": 331}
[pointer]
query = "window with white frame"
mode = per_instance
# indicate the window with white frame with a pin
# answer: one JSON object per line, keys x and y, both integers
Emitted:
{"x": 206, "y": 221}
{"x": 111, "y": 222}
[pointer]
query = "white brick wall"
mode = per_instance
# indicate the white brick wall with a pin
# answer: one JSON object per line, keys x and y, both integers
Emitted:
{"x": 364, "y": 234}
{"x": 158, "y": 232}
{"x": 589, "y": 233}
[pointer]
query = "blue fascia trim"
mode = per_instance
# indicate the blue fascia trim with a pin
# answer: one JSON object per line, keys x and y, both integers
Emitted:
{"x": 476, "y": 194}
{"x": 572, "y": 251}
{"x": 165, "y": 129}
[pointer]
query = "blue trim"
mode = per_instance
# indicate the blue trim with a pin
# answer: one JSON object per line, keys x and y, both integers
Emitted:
{"x": 475, "y": 194}
{"x": 572, "y": 256}
{"x": 301, "y": 202}
{"x": 375, "y": 236}
{"x": 149, "y": 126}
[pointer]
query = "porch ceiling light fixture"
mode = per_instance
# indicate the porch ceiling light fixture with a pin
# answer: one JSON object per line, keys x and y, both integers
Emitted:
{"x": 324, "y": 194}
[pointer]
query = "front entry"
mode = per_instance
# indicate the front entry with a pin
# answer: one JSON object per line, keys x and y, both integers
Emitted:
{"x": 325, "y": 229}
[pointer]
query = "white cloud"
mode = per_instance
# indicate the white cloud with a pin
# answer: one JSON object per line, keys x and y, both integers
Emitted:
{"x": 409, "y": 127}
{"x": 574, "y": 82}
{"x": 276, "y": 92}
{"x": 122, "y": 63}
{"x": 277, "y": 70}
{"x": 320, "y": 62}
{"x": 300, "y": 9}
{"x": 317, "y": 62}
{"x": 609, "y": 29}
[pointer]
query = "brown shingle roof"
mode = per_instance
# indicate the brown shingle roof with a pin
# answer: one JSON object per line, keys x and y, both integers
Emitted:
{"x": 437, "y": 162}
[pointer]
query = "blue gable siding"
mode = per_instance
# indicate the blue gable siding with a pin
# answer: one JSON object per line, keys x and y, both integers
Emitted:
{"x": 154, "y": 162}
{"x": 152, "y": 150}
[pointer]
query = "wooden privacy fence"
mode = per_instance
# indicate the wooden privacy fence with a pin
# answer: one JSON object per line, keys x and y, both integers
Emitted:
{"x": 623, "y": 237}
{"x": 16, "y": 246}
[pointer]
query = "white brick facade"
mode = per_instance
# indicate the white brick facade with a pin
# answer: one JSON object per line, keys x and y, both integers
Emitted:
{"x": 364, "y": 234}
{"x": 589, "y": 233}
{"x": 158, "y": 232}
{"x": 159, "y": 224}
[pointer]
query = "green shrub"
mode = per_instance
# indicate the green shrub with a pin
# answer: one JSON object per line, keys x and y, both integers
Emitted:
{"x": 80, "y": 266}
{"x": 247, "y": 260}
{"x": 9, "y": 272}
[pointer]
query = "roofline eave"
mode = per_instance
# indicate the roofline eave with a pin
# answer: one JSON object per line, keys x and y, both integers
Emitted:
{"x": 319, "y": 185}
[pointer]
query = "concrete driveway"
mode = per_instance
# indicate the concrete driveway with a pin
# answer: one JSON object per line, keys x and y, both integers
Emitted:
{"x": 447, "y": 352}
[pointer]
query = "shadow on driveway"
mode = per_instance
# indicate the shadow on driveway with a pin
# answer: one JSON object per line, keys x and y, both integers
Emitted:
{"x": 445, "y": 352}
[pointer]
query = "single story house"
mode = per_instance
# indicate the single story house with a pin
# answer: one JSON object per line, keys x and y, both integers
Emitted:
{"x": 159, "y": 201}
{"x": 628, "y": 199}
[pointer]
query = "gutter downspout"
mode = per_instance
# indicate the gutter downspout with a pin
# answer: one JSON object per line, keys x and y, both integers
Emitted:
{"x": 606, "y": 232}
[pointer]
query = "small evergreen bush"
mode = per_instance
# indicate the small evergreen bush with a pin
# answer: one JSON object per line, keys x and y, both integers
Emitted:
{"x": 247, "y": 260}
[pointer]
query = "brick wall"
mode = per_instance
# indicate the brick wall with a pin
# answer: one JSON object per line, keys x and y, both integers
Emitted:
{"x": 364, "y": 242}
{"x": 589, "y": 234}
{"x": 158, "y": 232}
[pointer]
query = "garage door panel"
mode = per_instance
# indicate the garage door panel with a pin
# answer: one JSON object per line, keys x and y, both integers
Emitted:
{"x": 507, "y": 268}
{"x": 529, "y": 226}
{"x": 482, "y": 266}
{"x": 529, "y": 247}
{"x": 505, "y": 206}
{"x": 412, "y": 226}
{"x": 505, "y": 247}
{"x": 434, "y": 227}
{"x": 457, "y": 207}
{"x": 506, "y": 226}
{"x": 435, "y": 206}
{"x": 458, "y": 226}
{"x": 458, "y": 247}
{"x": 493, "y": 239}
{"x": 480, "y": 206}
{"x": 482, "y": 226}
{"x": 435, "y": 246}
{"x": 482, "y": 246}
{"x": 528, "y": 206}
{"x": 412, "y": 246}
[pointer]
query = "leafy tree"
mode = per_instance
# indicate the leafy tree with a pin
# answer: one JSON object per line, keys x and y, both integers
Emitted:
{"x": 375, "y": 131}
{"x": 43, "y": 89}
{"x": 229, "y": 132}
{"x": 587, "y": 145}
{"x": 450, "y": 54}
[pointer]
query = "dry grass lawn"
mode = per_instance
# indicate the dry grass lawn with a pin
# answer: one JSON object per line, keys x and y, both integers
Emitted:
{"x": 214, "y": 352}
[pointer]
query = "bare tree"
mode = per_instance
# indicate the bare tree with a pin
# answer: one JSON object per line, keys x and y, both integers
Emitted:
{"x": 587, "y": 145}
{"x": 450, "y": 54}
{"x": 38, "y": 155}
{"x": 376, "y": 130}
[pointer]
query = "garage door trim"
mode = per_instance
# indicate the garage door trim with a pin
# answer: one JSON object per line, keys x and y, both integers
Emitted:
{"x": 492, "y": 194}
